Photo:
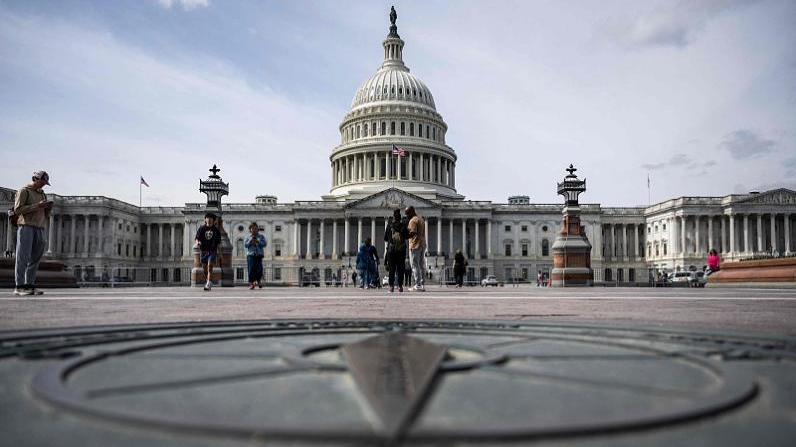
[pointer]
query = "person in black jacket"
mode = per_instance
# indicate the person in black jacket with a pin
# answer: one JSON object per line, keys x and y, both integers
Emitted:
{"x": 396, "y": 236}
{"x": 208, "y": 237}
{"x": 459, "y": 264}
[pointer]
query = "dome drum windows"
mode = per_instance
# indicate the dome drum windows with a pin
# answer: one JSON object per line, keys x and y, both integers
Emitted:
{"x": 392, "y": 128}
{"x": 411, "y": 129}
{"x": 403, "y": 128}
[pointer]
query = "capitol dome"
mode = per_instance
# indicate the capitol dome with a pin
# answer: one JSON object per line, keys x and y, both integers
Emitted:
{"x": 393, "y": 136}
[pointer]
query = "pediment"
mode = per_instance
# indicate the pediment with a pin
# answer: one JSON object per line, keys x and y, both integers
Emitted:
{"x": 780, "y": 196}
{"x": 391, "y": 199}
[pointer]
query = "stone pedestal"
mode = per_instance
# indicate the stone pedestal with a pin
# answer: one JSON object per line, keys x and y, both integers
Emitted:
{"x": 571, "y": 253}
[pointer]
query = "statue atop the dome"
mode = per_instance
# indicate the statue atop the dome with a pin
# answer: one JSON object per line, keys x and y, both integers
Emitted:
{"x": 393, "y": 27}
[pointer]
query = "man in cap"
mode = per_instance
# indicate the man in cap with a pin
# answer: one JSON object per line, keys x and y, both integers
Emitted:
{"x": 33, "y": 211}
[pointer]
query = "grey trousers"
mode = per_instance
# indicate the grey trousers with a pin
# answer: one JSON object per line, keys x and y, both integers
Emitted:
{"x": 418, "y": 266}
{"x": 30, "y": 249}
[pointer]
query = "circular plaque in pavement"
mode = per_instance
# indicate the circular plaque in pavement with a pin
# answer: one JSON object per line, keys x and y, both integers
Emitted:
{"x": 392, "y": 382}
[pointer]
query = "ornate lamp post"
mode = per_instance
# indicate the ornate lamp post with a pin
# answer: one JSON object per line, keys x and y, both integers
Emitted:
{"x": 571, "y": 249}
{"x": 215, "y": 188}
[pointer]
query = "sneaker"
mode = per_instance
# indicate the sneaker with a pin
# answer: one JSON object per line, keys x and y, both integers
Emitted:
{"x": 251, "y": 287}
{"x": 208, "y": 285}
{"x": 422, "y": 288}
{"x": 392, "y": 289}
{"x": 35, "y": 292}
{"x": 400, "y": 289}
{"x": 22, "y": 292}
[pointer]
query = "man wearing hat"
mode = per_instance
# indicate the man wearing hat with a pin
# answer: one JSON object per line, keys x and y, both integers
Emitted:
{"x": 208, "y": 237}
{"x": 33, "y": 210}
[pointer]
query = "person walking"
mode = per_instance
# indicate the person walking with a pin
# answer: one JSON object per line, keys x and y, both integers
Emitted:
{"x": 255, "y": 244}
{"x": 374, "y": 273}
{"x": 207, "y": 239}
{"x": 396, "y": 237}
{"x": 459, "y": 264}
{"x": 364, "y": 264}
{"x": 417, "y": 247}
{"x": 33, "y": 211}
{"x": 713, "y": 262}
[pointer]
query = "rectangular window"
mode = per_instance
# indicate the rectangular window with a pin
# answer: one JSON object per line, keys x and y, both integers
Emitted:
{"x": 127, "y": 250}
{"x": 119, "y": 249}
{"x": 508, "y": 249}
{"x": 525, "y": 249}
{"x": 507, "y": 228}
{"x": 239, "y": 273}
{"x": 664, "y": 249}
{"x": 411, "y": 129}
{"x": 277, "y": 227}
{"x": 135, "y": 251}
{"x": 383, "y": 128}
{"x": 664, "y": 227}
{"x": 277, "y": 250}
{"x": 420, "y": 130}
{"x": 373, "y": 129}
{"x": 403, "y": 128}
{"x": 392, "y": 128}
{"x": 524, "y": 228}
{"x": 277, "y": 273}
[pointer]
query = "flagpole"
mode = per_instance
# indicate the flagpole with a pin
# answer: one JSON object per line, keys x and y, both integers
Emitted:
{"x": 649, "y": 202}
{"x": 139, "y": 193}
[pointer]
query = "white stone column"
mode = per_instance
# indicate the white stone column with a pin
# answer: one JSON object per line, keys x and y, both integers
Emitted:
{"x": 173, "y": 245}
{"x": 746, "y": 247}
{"x": 160, "y": 241}
{"x": 625, "y": 251}
{"x": 373, "y": 231}
{"x": 148, "y": 240}
{"x": 387, "y": 166}
{"x": 439, "y": 234}
{"x": 636, "y": 242}
{"x": 409, "y": 169}
{"x": 50, "y": 233}
{"x": 773, "y": 232}
{"x": 477, "y": 245}
{"x": 322, "y": 247}
{"x": 334, "y": 239}
{"x": 86, "y": 221}
{"x": 759, "y": 232}
{"x": 786, "y": 227}
{"x": 451, "y": 251}
{"x": 187, "y": 243}
{"x": 489, "y": 239}
{"x": 732, "y": 233}
{"x": 723, "y": 233}
{"x": 308, "y": 255}
{"x": 697, "y": 244}
{"x": 427, "y": 235}
{"x": 346, "y": 230}
{"x": 296, "y": 231}
{"x": 72, "y": 238}
{"x": 683, "y": 231}
{"x": 101, "y": 234}
{"x": 359, "y": 232}
{"x": 711, "y": 236}
{"x": 464, "y": 236}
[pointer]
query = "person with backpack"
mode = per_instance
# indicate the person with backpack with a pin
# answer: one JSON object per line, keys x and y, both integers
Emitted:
{"x": 459, "y": 264}
{"x": 32, "y": 210}
{"x": 396, "y": 236}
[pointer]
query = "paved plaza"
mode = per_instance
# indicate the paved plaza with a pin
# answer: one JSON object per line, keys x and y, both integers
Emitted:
{"x": 770, "y": 311}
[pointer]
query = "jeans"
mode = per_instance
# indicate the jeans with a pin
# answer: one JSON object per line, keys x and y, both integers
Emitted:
{"x": 396, "y": 271}
{"x": 364, "y": 276}
{"x": 255, "y": 265}
{"x": 418, "y": 266}
{"x": 30, "y": 249}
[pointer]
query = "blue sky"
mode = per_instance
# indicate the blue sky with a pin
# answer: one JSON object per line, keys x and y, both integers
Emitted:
{"x": 700, "y": 95}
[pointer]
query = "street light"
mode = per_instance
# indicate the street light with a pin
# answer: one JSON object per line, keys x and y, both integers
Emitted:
{"x": 571, "y": 187}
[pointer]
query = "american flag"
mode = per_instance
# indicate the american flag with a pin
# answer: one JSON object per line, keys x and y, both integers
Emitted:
{"x": 143, "y": 182}
{"x": 398, "y": 151}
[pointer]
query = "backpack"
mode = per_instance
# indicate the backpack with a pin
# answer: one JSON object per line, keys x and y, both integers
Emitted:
{"x": 398, "y": 244}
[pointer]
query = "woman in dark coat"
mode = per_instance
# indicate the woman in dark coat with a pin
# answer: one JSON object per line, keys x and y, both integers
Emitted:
{"x": 396, "y": 237}
{"x": 459, "y": 264}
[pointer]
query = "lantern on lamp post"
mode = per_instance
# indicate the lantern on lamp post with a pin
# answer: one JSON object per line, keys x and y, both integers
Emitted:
{"x": 571, "y": 249}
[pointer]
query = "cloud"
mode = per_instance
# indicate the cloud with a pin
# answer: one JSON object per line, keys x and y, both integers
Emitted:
{"x": 709, "y": 163}
{"x": 187, "y": 5}
{"x": 676, "y": 160}
{"x": 744, "y": 144}
{"x": 679, "y": 160}
{"x": 790, "y": 166}
{"x": 653, "y": 166}
{"x": 675, "y": 26}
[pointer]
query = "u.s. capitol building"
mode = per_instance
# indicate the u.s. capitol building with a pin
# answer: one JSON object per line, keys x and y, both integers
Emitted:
{"x": 95, "y": 234}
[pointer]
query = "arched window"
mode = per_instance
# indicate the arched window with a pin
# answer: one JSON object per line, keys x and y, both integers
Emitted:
{"x": 435, "y": 132}
{"x": 411, "y": 129}
{"x": 392, "y": 90}
{"x": 414, "y": 92}
{"x": 373, "y": 129}
{"x": 384, "y": 128}
{"x": 392, "y": 128}
{"x": 365, "y": 130}
{"x": 428, "y": 134}
{"x": 385, "y": 89}
{"x": 403, "y": 128}
{"x": 545, "y": 247}
{"x": 420, "y": 130}
{"x": 358, "y": 130}
{"x": 241, "y": 249}
{"x": 400, "y": 90}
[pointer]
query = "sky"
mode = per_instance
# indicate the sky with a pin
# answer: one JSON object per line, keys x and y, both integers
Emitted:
{"x": 699, "y": 96}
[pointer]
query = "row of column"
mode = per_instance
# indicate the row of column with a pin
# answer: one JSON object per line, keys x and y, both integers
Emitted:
{"x": 734, "y": 233}
{"x": 417, "y": 166}
{"x": 433, "y": 241}
{"x": 622, "y": 241}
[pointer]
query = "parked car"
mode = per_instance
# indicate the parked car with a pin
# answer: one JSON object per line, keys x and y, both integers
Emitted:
{"x": 491, "y": 280}
{"x": 679, "y": 277}
{"x": 698, "y": 279}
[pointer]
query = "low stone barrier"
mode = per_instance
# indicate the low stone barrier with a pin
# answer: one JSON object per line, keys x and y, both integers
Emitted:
{"x": 50, "y": 274}
{"x": 778, "y": 272}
